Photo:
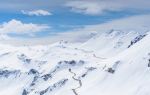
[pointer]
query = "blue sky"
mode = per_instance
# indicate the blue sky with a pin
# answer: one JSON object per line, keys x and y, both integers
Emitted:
{"x": 63, "y": 15}
{"x": 64, "y": 21}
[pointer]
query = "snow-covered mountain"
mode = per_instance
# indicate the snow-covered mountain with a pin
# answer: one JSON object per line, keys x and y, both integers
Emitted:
{"x": 110, "y": 63}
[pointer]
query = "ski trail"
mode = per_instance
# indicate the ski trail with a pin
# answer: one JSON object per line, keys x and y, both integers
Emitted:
{"x": 76, "y": 79}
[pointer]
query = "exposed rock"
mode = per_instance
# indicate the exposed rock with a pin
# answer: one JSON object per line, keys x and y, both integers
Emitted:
{"x": 24, "y": 58}
{"x": 54, "y": 86}
{"x": 24, "y": 92}
{"x": 110, "y": 70}
{"x": 34, "y": 80}
{"x": 33, "y": 71}
{"x": 7, "y": 73}
{"x": 149, "y": 63}
{"x": 135, "y": 40}
{"x": 46, "y": 76}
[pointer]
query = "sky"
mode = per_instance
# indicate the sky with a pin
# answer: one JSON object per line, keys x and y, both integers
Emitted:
{"x": 65, "y": 19}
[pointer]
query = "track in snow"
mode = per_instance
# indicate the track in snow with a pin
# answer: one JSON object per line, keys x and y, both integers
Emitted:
{"x": 76, "y": 79}
{"x": 98, "y": 57}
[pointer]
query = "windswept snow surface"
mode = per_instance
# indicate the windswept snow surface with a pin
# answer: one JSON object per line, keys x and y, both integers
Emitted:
{"x": 110, "y": 63}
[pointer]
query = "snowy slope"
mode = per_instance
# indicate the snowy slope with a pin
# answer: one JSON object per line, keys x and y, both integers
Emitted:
{"x": 131, "y": 75}
{"x": 111, "y": 63}
{"x": 110, "y": 43}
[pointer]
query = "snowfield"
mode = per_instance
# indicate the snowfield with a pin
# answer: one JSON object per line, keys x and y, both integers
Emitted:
{"x": 110, "y": 63}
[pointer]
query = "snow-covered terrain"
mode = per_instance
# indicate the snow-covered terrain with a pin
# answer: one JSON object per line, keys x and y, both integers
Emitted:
{"x": 110, "y": 63}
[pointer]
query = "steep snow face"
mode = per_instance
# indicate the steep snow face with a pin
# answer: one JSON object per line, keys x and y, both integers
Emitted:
{"x": 130, "y": 75}
{"x": 111, "y": 43}
{"x": 112, "y": 63}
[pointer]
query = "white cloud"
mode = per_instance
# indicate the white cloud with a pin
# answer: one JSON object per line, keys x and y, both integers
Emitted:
{"x": 5, "y": 37}
{"x": 97, "y": 7}
{"x": 36, "y": 13}
{"x": 86, "y": 7}
{"x": 49, "y": 5}
{"x": 15, "y": 26}
{"x": 138, "y": 23}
